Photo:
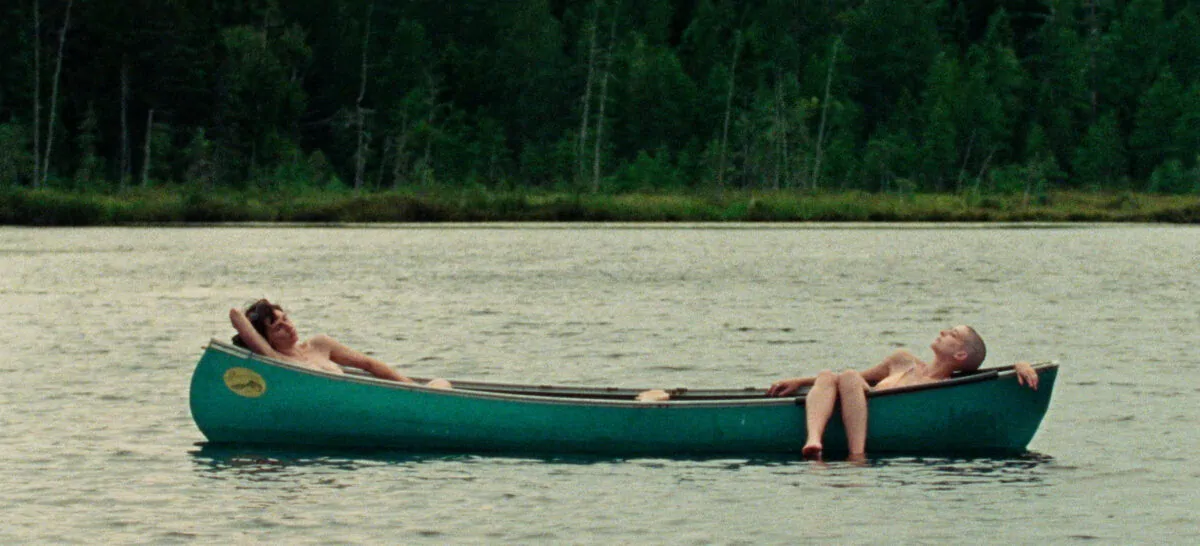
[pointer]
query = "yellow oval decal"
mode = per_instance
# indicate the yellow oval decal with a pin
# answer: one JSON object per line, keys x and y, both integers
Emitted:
{"x": 245, "y": 382}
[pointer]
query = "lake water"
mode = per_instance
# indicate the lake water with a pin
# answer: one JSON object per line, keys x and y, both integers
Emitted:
{"x": 103, "y": 327}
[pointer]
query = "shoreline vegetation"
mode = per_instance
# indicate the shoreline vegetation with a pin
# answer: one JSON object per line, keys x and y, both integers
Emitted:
{"x": 49, "y": 207}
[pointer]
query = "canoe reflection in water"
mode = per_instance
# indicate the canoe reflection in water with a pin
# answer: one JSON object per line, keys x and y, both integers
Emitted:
{"x": 286, "y": 468}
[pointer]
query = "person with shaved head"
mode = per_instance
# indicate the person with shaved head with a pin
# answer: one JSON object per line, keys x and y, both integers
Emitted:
{"x": 957, "y": 349}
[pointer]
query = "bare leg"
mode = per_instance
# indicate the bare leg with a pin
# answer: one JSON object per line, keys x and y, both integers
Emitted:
{"x": 818, "y": 407}
{"x": 852, "y": 390}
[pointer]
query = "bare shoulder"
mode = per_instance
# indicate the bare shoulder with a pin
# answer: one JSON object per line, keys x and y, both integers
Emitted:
{"x": 902, "y": 357}
{"x": 323, "y": 343}
{"x": 898, "y": 360}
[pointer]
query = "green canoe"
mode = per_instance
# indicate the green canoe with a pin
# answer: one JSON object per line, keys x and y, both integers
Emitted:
{"x": 240, "y": 397}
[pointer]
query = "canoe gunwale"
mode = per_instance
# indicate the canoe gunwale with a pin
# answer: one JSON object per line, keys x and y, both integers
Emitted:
{"x": 490, "y": 394}
{"x": 609, "y": 396}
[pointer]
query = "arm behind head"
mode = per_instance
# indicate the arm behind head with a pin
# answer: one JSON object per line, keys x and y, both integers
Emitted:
{"x": 248, "y": 336}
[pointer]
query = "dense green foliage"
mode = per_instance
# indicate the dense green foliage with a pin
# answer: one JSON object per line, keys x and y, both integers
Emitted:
{"x": 1019, "y": 97}
{"x": 165, "y": 205}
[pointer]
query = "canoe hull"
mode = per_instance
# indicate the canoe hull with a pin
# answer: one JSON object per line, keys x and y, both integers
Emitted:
{"x": 241, "y": 398}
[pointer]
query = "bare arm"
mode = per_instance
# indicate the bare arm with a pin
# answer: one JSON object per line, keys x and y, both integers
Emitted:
{"x": 249, "y": 335}
{"x": 787, "y": 387}
{"x": 346, "y": 356}
{"x": 879, "y": 371}
{"x": 875, "y": 374}
{"x": 899, "y": 359}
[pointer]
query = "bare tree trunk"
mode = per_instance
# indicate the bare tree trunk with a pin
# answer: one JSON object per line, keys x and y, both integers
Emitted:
{"x": 983, "y": 169}
{"x": 147, "y": 150}
{"x": 430, "y": 115}
{"x": 388, "y": 142}
{"x": 816, "y": 176}
{"x": 1093, "y": 39}
{"x": 612, "y": 39}
{"x": 37, "y": 95}
{"x": 426, "y": 164}
{"x": 124, "y": 122}
{"x": 1027, "y": 192}
{"x": 62, "y": 40}
{"x": 962, "y": 171}
{"x": 599, "y": 134}
{"x": 737, "y": 49}
{"x": 581, "y": 149}
{"x": 401, "y": 144}
{"x": 403, "y": 169}
{"x": 784, "y": 170}
{"x": 360, "y": 156}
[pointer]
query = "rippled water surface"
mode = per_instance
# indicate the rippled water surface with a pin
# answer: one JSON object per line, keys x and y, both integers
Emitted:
{"x": 103, "y": 326}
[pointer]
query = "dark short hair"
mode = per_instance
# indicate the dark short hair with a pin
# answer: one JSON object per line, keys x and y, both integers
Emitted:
{"x": 261, "y": 314}
{"x": 976, "y": 350}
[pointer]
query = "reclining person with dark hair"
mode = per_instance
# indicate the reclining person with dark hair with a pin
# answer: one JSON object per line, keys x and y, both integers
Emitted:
{"x": 266, "y": 329}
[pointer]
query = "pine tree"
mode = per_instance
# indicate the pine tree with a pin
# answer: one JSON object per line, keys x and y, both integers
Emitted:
{"x": 1100, "y": 159}
{"x": 1158, "y": 109}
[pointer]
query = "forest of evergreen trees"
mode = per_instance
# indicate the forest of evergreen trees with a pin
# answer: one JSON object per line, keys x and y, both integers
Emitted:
{"x": 602, "y": 95}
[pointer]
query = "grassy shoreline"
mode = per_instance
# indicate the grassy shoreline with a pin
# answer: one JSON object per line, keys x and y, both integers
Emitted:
{"x": 159, "y": 206}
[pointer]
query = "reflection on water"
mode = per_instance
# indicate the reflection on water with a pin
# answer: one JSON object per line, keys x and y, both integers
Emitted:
{"x": 275, "y": 464}
{"x": 285, "y": 465}
{"x": 225, "y": 454}
{"x": 953, "y": 473}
